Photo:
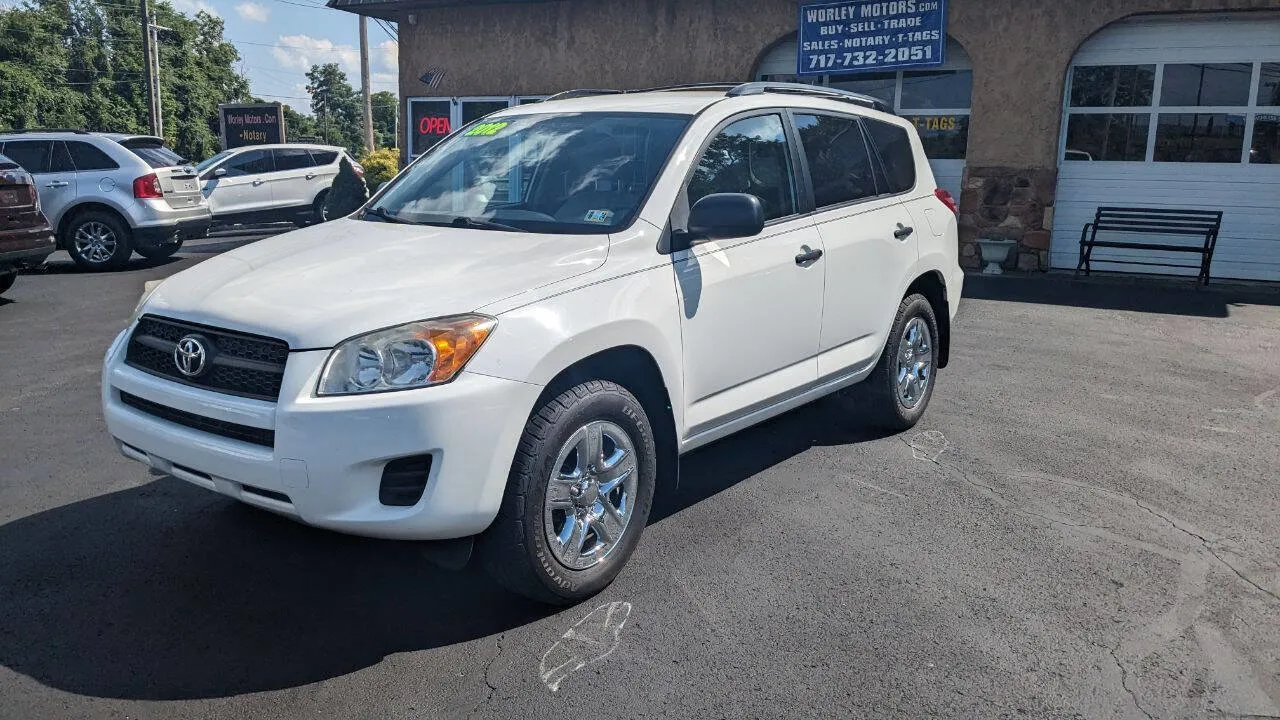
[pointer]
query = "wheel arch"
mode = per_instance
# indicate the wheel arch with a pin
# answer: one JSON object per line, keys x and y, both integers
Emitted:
{"x": 635, "y": 369}
{"x": 933, "y": 286}
{"x": 71, "y": 213}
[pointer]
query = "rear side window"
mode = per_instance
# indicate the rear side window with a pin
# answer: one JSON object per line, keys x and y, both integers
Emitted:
{"x": 324, "y": 157}
{"x": 292, "y": 158}
{"x": 249, "y": 163}
{"x": 32, "y": 155}
{"x": 749, "y": 156}
{"x": 61, "y": 161}
{"x": 87, "y": 157}
{"x": 839, "y": 162}
{"x": 894, "y": 145}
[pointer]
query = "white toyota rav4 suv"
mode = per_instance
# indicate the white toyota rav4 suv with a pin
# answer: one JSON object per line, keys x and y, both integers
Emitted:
{"x": 516, "y": 339}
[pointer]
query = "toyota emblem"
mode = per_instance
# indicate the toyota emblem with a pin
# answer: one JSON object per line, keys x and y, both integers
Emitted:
{"x": 190, "y": 355}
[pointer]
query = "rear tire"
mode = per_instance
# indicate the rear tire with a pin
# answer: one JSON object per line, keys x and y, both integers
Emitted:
{"x": 98, "y": 241}
{"x": 159, "y": 252}
{"x": 554, "y": 539}
{"x": 898, "y": 390}
{"x": 7, "y": 279}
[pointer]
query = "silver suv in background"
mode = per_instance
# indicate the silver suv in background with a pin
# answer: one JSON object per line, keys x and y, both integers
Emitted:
{"x": 109, "y": 194}
{"x": 271, "y": 183}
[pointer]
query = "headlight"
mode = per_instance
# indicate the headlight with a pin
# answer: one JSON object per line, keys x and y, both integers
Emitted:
{"x": 147, "y": 288}
{"x": 415, "y": 355}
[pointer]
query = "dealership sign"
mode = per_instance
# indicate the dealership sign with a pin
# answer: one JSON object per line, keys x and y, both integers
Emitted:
{"x": 251, "y": 124}
{"x": 870, "y": 35}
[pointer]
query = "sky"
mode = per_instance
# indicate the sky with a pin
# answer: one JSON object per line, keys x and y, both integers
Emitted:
{"x": 279, "y": 40}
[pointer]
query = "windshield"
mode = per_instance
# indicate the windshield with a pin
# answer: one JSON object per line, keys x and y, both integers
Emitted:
{"x": 205, "y": 165}
{"x": 554, "y": 173}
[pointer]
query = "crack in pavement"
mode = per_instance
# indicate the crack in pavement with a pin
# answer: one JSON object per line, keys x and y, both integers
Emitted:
{"x": 1124, "y": 681}
{"x": 1202, "y": 540}
{"x": 485, "y": 676}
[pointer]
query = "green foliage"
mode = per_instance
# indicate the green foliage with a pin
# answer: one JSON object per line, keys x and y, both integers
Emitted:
{"x": 380, "y": 166}
{"x": 336, "y": 107}
{"x": 347, "y": 194}
{"x": 385, "y": 111}
{"x": 79, "y": 63}
{"x": 298, "y": 127}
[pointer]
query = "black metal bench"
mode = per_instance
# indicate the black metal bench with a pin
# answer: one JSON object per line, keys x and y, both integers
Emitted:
{"x": 1152, "y": 221}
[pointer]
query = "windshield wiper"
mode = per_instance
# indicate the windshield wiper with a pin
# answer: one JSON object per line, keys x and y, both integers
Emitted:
{"x": 383, "y": 215}
{"x": 464, "y": 221}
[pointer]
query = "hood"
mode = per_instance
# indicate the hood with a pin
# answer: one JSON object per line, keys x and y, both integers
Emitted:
{"x": 315, "y": 287}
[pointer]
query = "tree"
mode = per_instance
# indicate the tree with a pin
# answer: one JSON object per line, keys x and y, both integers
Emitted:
{"x": 298, "y": 126}
{"x": 347, "y": 194}
{"x": 79, "y": 63}
{"x": 336, "y": 107}
{"x": 385, "y": 110}
{"x": 380, "y": 166}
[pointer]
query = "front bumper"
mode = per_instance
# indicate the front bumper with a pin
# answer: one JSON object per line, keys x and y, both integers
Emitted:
{"x": 326, "y": 463}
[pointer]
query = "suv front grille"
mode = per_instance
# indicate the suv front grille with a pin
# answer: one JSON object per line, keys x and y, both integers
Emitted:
{"x": 243, "y": 433}
{"x": 236, "y": 363}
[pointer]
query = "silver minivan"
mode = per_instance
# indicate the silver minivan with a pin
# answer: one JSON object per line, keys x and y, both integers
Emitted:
{"x": 110, "y": 194}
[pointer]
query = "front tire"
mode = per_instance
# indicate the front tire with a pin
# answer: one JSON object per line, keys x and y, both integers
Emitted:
{"x": 7, "y": 279}
{"x": 98, "y": 241}
{"x": 578, "y": 496}
{"x": 899, "y": 389}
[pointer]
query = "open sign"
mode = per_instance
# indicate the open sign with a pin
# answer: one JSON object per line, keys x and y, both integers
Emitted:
{"x": 434, "y": 125}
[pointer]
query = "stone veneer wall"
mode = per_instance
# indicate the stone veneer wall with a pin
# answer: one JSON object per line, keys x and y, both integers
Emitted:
{"x": 1008, "y": 204}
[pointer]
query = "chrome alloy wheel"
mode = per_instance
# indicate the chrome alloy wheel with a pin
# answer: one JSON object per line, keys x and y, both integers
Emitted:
{"x": 95, "y": 242}
{"x": 590, "y": 495}
{"x": 915, "y": 362}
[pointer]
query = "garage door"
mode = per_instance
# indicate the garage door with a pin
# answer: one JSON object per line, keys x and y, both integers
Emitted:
{"x": 936, "y": 100}
{"x": 1176, "y": 112}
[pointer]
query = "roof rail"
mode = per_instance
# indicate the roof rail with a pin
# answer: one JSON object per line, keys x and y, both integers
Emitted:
{"x": 759, "y": 88}
{"x": 78, "y": 131}
{"x": 584, "y": 92}
{"x": 689, "y": 86}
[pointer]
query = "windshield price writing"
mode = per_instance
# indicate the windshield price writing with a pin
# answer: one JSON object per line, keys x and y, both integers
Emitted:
{"x": 861, "y": 35}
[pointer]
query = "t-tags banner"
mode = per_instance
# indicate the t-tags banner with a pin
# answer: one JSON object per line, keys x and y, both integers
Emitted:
{"x": 865, "y": 35}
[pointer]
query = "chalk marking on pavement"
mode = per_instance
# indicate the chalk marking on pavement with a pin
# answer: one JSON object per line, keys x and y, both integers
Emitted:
{"x": 928, "y": 445}
{"x": 870, "y": 486}
{"x": 590, "y": 640}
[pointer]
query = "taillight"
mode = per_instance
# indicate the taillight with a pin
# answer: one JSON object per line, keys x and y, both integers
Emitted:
{"x": 358, "y": 168}
{"x": 148, "y": 186}
{"x": 18, "y": 196}
{"x": 948, "y": 200}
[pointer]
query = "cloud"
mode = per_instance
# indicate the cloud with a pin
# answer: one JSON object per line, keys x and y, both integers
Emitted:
{"x": 388, "y": 54}
{"x": 300, "y": 52}
{"x": 191, "y": 7}
{"x": 384, "y": 81}
{"x": 253, "y": 11}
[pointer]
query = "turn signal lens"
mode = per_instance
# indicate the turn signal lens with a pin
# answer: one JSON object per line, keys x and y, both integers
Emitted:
{"x": 416, "y": 355}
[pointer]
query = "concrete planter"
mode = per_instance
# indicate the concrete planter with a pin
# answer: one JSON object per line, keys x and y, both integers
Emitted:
{"x": 995, "y": 253}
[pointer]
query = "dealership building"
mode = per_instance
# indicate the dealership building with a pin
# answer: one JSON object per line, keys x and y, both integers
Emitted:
{"x": 1033, "y": 112}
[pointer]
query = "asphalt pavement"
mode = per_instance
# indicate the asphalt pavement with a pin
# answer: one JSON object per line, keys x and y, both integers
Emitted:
{"x": 1085, "y": 524}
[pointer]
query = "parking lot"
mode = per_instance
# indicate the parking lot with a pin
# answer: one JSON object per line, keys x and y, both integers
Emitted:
{"x": 1085, "y": 524}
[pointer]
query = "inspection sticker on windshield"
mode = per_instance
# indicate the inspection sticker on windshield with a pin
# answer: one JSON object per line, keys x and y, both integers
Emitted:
{"x": 487, "y": 129}
{"x": 599, "y": 216}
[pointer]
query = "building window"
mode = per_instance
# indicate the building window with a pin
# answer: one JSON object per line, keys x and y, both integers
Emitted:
{"x": 1173, "y": 112}
{"x": 936, "y": 101}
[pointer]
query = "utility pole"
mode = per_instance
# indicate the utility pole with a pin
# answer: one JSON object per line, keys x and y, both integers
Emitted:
{"x": 153, "y": 100}
{"x": 364, "y": 84}
{"x": 155, "y": 75}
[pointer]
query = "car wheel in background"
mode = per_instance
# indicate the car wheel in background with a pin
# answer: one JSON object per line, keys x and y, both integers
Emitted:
{"x": 160, "y": 252}
{"x": 98, "y": 241}
{"x": 6, "y": 280}
{"x": 898, "y": 390}
{"x": 578, "y": 496}
{"x": 317, "y": 211}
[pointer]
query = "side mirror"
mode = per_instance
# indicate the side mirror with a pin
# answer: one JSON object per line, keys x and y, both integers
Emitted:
{"x": 723, "y": 216}
{"x": 220, "y": 172}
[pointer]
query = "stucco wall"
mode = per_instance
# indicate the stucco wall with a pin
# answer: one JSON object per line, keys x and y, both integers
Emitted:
{"x": 1020, "y": 51}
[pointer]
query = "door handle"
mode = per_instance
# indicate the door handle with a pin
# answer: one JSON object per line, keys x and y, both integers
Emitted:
{"x": 808, "y": 256}
{"x": 256, "y": 183}
{"x": 903, "y": 232}
{"x": 58, "y": 184}
{"x": 311, "y": 176}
